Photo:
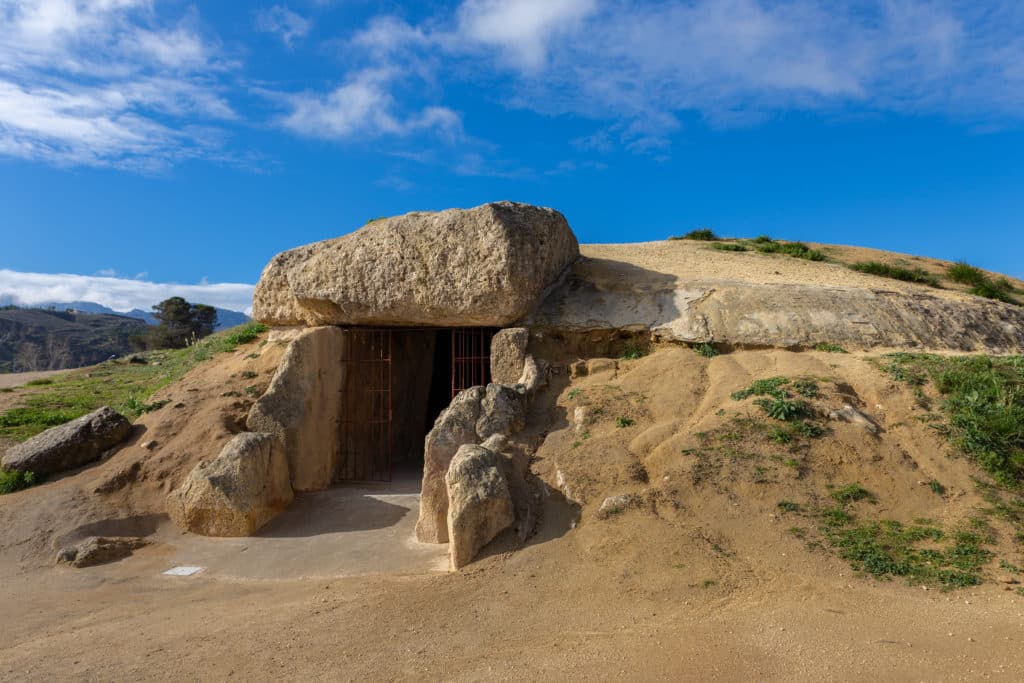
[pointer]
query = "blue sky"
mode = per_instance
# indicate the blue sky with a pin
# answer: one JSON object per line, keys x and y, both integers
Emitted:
{"x": 150, "y": 142}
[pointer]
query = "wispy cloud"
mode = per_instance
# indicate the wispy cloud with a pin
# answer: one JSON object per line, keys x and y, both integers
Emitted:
{"x": 283, "y": 22}
{"x": 120, "y": 294}
{"x": 639, "y": 66}
{"x": 105, "y": 83}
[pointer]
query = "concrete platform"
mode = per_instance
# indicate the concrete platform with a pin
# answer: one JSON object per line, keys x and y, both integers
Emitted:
{"x": 344, "y": 531}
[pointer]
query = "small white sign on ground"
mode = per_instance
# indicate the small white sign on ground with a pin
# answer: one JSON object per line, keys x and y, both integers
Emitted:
{"x": 183, "y": 571}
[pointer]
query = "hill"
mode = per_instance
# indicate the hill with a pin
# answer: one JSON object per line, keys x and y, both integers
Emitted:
{"x": 748, "y": 465}
{"x": 34, "y": 339}
{"x": 225, "y": 318}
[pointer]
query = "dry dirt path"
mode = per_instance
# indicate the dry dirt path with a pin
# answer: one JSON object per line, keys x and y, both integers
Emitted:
{"x": 17, "y": 379}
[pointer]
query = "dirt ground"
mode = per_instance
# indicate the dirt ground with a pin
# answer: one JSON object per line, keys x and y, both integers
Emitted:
{"x": 704, "y": 585}
{"x": 704, "y": 579}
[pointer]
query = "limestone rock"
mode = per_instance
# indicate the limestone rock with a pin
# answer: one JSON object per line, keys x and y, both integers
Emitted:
{"x": 480, "y": 505}
{"x": 237, "y": 492}
{"x": 454, "y": 427}
{"x": 301, "y": 406}
{"x": 69, "y": 445}
{"x": 99, "y": 550}
{"x": 508, "y": 354}
{"x": 486, "y": 266}
{"x": 503, "y": 410}
{"x": 535, "y": 375}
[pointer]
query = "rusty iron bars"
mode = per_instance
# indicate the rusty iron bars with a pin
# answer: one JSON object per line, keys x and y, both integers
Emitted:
{"x": 471, "y": 357}
{"x": 366, "y": 406}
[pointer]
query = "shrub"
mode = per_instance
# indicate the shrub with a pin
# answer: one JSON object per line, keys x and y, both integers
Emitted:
{"x": 632, "y": 353}
{"x": 917, "y": 275}
{"x": 965, "y": 274}
{"x": 700, "y": 235}
{"x": 728, "y": 246}
{"x": 788, "y": 506}
{"x": 41, "y": 382}
{"x": 622, "y": 422}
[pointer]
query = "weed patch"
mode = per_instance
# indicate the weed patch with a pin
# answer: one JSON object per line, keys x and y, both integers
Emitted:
{"x": 829, "y": 348}
{"x": 16, "y": 481}
{"x": 706, "y": 350}
{"x": 766, "y": 245}
{"x": 918, "y": 275}
{"x": 983, "y": 400}
{"x": 729, "y": 246}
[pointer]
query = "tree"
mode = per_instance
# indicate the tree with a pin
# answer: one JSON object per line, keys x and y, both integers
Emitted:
{"x": 180, "y": 323}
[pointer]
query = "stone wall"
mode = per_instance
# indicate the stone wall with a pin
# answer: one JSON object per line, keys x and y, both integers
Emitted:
{"x": 302, "y": 406}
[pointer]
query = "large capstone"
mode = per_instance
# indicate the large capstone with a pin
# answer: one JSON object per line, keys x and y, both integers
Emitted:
{"x": 70, "y": 445}
{"x": 480, "y": 505}
{"x": 486, "y": 266}
{"x": 237, "y": 492}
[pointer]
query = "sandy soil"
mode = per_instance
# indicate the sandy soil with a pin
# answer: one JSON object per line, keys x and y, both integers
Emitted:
{"x": 704, "y": 583}
{"x": 691, "y": 261}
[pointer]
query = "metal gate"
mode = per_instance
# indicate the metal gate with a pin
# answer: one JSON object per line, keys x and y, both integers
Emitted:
{"x": 365, "y": 423}
{"x": 366, "y": 409}
{"x": 471, "y": 357}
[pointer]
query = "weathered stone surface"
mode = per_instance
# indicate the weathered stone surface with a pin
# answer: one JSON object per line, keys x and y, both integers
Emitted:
{"x": 302, "y": 404}
{"x": 535, "y": 375}
{"x": 485, "y": 266}
{"x": 503, "y": 410}
{"x": 604, "y": 294}
{"x": 70, "y": 445}
{"x": 454, "y": 427}
{"x": 237, "y": 492}
{"x": 508, "y": 354}
{"x": 98, "y": 550}
{"x": 480, "y": 506}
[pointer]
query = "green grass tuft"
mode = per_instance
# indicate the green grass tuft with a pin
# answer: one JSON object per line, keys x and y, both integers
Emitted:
{"x": 729, "y": 246}
{"x": 767, "y": 245}
{"x": 829, "y": 348}
{"x": 16, "y": 481}
{"x": 851, "y": 493}
{"x": 706, "y": 350}
{"x": 917, "y": 275}
{"x": 622, "y": 422}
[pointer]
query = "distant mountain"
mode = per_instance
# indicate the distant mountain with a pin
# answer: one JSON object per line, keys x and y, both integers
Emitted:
{"x": 225, "y": 318}
{"x": 35, "y": 339}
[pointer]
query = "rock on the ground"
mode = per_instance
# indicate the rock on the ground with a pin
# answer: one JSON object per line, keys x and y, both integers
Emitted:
{"x": 237, "y": 492}
{"x": 480, "y": 506}
{"x": 614, "y": 505}
{"x": 850, "y": 414}
{"x": 69, "y": 445}
{"x": 486, "y": 266}
{"x": 503, "y": 410}
{"x": 454, "y": 427}
{"x": 99, "y": 550}
{"x": 508, "y": 354}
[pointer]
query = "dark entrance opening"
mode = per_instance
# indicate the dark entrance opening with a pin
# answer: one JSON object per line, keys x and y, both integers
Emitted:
{"x": 397, "y": 381}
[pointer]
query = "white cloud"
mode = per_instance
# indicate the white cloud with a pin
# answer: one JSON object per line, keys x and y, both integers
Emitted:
{"x": 638, "y": 66}
{"x": 521, "y": 29}
{"x": 284, "y": 22}
{"x": 120, "y": 294}
{"x": 105, "y": 83}
{"x": 364, "y": 106}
